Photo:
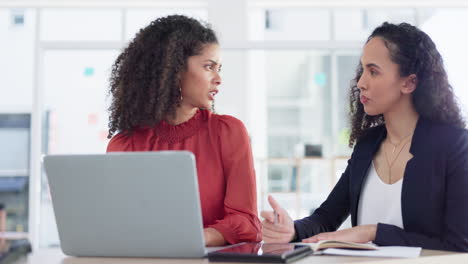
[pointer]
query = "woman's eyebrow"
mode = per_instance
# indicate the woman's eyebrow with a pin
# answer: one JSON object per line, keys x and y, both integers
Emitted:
{"x": 368, "y": 65}
{"x": 212, "y": 61}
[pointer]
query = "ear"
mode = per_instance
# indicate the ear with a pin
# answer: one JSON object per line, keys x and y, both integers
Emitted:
{"x": 410, "y": 84}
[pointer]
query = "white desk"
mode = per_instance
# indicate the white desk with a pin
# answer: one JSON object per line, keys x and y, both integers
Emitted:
{"x": 55, "y": 256}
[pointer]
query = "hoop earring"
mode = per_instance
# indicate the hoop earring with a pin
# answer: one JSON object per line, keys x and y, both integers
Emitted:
{"x": 213, "y": 107}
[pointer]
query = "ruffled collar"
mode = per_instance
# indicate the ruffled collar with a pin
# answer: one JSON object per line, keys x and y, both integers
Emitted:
{"x": 177, "y": 133}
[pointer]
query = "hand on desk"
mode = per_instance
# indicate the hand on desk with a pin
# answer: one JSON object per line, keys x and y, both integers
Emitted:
{"x": 280, "y": 230}
{"x": 357, "y": 234}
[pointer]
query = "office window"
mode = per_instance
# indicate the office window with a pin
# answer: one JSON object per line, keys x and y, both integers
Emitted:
{"x": 298, "y": 94}
{"x": 14, "y": 168}
{"x": 14, "y": 139}
{"x": 346, "y": 65}
{"x": 233, "y": 74}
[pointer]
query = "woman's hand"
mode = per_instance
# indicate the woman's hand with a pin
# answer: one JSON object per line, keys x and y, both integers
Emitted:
{"x": 213, "y": 238}
{"x": 280, "y": 230}
{"x": 357, "y": 234}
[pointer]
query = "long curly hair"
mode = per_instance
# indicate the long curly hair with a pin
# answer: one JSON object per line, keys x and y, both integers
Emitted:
{"x": 145, "y": 78}
{"x": 415, "y": 53}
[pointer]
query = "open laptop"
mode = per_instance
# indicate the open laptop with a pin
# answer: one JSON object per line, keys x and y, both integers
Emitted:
{"x": 127, "y": 204}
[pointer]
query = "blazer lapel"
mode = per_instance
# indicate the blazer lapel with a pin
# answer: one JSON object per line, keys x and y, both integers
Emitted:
{"x": 415, "y": 170}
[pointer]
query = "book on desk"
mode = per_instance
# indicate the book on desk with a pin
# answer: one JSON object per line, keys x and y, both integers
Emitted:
{"x": 324, "y": 244}
{"x": 334, "y": 247}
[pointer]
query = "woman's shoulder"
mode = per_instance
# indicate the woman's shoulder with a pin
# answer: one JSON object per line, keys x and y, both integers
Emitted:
{"x": 228, "y": 127}
{"x": 227, "y": 122}
{"x": 126, "y": 140}
{"x": 445, "y": 134}
{"x": 446, "y": 130}
{"x": 119, "y": 142}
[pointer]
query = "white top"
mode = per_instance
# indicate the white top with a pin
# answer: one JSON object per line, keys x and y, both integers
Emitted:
{"x": 380, "y": 202}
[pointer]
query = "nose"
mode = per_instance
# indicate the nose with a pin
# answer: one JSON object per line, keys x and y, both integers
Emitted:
{"x": 217, "y": 79}
{"x": 361, "y": 84}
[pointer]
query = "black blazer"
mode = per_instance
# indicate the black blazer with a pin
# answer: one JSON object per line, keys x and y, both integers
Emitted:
{"x": 434, "y": 196}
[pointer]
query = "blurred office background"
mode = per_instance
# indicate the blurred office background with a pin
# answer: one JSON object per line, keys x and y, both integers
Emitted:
{"x": 286, "y": 72}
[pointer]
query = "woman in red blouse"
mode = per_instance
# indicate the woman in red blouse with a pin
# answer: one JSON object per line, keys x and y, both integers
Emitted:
{"x": 162, "y": 86}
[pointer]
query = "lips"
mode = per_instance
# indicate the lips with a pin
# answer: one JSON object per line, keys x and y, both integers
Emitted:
{"x": 364, "y": 99}
{"x": 212, "y": 94}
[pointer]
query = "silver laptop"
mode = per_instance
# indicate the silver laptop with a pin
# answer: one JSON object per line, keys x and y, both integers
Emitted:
{"x": 127, "y": 204}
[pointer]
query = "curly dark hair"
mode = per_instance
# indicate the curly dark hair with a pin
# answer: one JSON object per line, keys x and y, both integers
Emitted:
{"x": 415, "y": 53}
{"x": 145, "y": 81}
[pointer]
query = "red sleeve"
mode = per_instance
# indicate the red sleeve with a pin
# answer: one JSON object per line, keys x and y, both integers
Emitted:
{"x": 241, "y": 221}
{"x": 119, "y": 142}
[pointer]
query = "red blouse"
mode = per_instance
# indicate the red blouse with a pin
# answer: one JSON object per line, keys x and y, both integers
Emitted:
{"x": 225, "y": 169}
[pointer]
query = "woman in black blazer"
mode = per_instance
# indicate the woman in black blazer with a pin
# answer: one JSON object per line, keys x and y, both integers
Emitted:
{"x": 407, "y": 129}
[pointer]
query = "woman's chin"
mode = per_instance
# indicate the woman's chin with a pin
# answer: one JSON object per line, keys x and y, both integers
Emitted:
{"x": 207, "y": 105}
{"x": 203, "y": 107}
{"x": 372, "y": 112}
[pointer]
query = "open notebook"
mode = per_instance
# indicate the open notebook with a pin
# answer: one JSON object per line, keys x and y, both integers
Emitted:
{"x": 333, "y": 247}
{"x": 324, "y": 244}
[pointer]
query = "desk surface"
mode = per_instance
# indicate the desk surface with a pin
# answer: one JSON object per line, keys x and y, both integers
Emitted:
{"x": 55, "y": 256}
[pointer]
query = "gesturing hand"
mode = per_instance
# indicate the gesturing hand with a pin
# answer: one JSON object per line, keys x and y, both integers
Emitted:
{"x": 281, "y": 230}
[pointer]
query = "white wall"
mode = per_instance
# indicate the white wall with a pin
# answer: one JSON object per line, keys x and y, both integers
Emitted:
{"x": 447, "y": 30}
{"x": 16, "y": 61}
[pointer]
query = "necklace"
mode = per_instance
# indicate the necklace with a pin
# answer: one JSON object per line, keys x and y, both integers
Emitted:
{"x": 396, "y": 145}
{"x": 391, "y": 163}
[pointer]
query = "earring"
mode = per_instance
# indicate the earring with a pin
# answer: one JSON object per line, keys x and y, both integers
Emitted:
{"x": 180, "y": 92}
{"x": 213, "y": 107}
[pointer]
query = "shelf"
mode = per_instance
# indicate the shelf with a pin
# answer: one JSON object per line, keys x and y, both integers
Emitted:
{"x": 14, "y": 173}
